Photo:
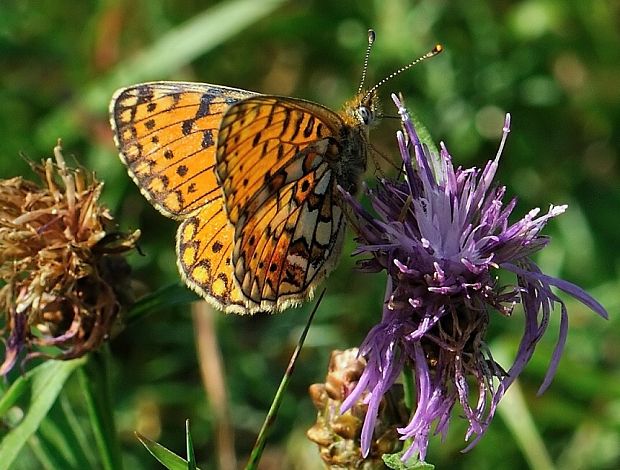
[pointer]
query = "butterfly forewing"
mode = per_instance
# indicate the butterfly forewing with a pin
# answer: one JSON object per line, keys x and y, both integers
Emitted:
{"x": 167, "y": 134}
{"x": 278, "y": 188}
{"x": 260, "y": 136}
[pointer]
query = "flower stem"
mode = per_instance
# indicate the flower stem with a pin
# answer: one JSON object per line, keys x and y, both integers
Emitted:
{"x": 408, "y": 391}
{"x": 408, "y": 387}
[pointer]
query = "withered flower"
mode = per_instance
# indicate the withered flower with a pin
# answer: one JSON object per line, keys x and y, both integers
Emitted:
{"x": 338, "y": 435}
{"x": 62, "y": 274}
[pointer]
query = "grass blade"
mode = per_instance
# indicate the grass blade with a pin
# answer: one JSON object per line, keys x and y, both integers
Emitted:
{"x": 166, "y": 457}
{"x": 191, "y": 458}
{"x": 46, "y": 382}
{"x": 275, "y": 405}
{"x": 96, "y": 389}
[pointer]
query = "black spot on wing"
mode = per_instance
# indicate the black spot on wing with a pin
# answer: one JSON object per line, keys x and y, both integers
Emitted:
{"x": 256, "y": 139}
{"x": 145, "y": 94}
{"x": 309, "y": 127}
{"x": 203, "y": 109}
{"x": 297, "y": 127}
{"x": 207, "y": 138}
{"x": 286, "y": 122}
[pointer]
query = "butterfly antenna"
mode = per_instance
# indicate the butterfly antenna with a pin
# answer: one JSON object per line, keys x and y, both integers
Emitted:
{"x": 371, "y": 41}
{"x": 432, "y": 53}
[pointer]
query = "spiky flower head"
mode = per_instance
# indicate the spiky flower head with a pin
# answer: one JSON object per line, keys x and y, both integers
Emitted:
{"x": 62, "y": 274}
{"x": 443, "y": 235}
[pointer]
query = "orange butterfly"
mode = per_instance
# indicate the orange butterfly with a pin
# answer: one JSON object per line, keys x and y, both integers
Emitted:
{"x": 253, "y": 178}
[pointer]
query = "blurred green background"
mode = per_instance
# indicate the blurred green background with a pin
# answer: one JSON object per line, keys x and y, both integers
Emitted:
{"x": 554, "y": 65}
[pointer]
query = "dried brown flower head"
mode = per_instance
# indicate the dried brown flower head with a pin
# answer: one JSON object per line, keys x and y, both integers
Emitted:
{"x": 60, "y": 265}
{"x": 338, "y": 434}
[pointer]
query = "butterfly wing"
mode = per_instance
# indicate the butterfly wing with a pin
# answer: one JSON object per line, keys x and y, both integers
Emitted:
{"x": 279, "y": 194}
{"x": 166, "y": 133}
{"x": 204, "y": 250}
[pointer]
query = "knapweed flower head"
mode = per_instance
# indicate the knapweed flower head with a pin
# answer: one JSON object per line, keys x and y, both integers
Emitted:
{"x": 443, "y": 235}
{"x": 63, "y": 280}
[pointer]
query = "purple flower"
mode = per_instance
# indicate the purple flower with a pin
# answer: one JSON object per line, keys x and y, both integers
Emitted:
{"x": 443, "y": 235}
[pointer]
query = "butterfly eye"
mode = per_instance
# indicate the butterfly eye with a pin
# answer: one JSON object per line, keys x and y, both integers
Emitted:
{"x": 365, "y": 115}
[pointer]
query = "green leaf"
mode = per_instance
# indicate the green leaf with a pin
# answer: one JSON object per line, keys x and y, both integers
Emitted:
{"x": 191, "y": 458}
{"x": 166, "y": 457}
{"x": 41, "y": 454}
{"x": 394, "y": 462}
{"x": 17, "y": 389}
{"x": 44, "y": 383}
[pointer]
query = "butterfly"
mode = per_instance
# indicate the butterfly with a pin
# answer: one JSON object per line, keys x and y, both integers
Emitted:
{"x": 254, "y": 180}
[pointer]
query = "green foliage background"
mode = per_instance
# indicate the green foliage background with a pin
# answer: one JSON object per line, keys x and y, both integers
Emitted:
{"x": 554, "y": 65}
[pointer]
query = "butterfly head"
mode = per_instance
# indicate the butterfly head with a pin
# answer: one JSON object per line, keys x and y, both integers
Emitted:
{"x": 363, "y": 111}
{"x": 367, "y": 111}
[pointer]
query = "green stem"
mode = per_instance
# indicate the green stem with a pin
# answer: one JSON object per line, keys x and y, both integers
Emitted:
{"x": 408, "y": 387}
{"x": 259, "y": 446}
{"x": 95, "y": 385}
{"x": 409, "y": 392}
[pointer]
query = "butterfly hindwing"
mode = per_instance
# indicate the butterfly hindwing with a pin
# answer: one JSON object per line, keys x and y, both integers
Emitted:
{"x": 290, "y": 244}
{"x": 204, "y": 250}
{"x": 279, "y": 193}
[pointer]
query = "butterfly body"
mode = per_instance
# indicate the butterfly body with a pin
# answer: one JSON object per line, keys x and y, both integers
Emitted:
{"x": 253, "y": 178}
